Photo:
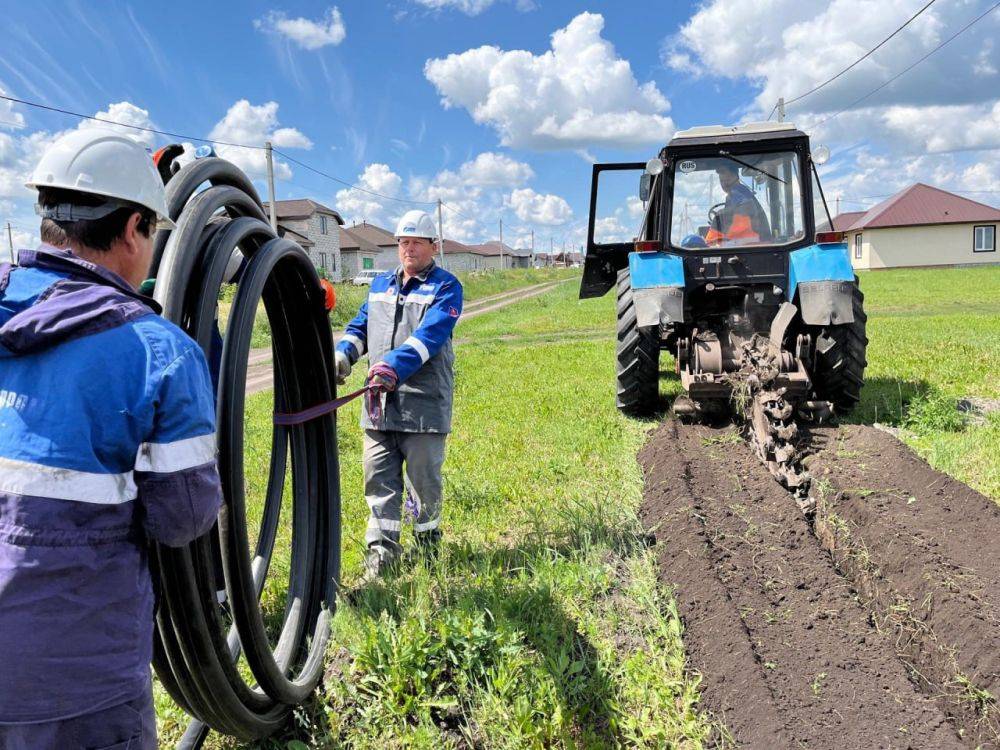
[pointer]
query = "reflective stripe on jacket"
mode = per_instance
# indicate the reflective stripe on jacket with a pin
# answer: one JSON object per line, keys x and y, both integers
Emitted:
{"x": 107, "y": 436}
{"x": 409, "y": 328}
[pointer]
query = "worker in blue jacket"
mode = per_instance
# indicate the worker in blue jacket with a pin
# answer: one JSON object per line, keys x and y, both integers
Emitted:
{"x": 405, "y": 328}
{"x": 107, "y": 440}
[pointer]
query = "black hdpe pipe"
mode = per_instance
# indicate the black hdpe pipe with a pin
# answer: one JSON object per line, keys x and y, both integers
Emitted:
{"x": 198, "y": 640}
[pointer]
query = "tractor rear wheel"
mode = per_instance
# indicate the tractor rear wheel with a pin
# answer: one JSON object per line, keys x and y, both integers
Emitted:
{"x": 839, "y": 366}
{"x": 638, "y": 356}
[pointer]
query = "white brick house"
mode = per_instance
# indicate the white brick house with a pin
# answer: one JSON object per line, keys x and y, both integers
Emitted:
{"x": 319, "y": 225}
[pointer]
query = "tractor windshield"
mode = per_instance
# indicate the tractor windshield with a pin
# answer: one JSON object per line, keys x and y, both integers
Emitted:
{"x": 738, "y": 200}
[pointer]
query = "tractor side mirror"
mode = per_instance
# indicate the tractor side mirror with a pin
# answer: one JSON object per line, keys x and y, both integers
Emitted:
{"x": 645, "y": 186}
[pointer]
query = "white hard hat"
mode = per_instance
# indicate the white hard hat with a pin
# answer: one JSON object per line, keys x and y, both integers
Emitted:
{"x": 416, "y": 224}
{"x": 103, "y": 162}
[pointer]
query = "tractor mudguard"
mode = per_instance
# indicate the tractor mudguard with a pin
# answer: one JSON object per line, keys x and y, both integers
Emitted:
{"x": 826, "y": 303}
{"x": 823, "y": 278}
{"x": 657, "y": 288}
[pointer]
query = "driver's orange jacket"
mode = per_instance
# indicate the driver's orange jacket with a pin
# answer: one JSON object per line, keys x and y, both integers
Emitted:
{"x": 740, "y": 228}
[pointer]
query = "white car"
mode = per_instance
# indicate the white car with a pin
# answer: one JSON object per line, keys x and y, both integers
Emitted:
{"x": 364, "y": 278}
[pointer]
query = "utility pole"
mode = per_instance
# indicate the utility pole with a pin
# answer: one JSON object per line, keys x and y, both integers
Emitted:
{"x": 838, "y": 208}
{"x": 532, "y": 247}
{"x": 440, "y": 235}
{"x": 10, "y": 240}
{"x": 781, "y": 109}
{"x": 501, "y": 243}
{"x": 551, "y": 260}
{"x": 270, "y": 185}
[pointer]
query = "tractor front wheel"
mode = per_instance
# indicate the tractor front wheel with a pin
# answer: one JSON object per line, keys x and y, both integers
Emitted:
{"x": 638, "y": 356}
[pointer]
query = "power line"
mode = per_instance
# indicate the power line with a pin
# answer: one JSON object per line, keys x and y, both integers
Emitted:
{"x": 860, "y": 59}
{"x": 911, "y": 66}
{"x": 126, "y": 124}
{"x": 350, "y": 185}
{"x": 182, "y": 136}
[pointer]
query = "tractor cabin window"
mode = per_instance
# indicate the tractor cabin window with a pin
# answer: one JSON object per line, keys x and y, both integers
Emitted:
{"x": 745, "y": 200}
{"x": 857, "y": 246}
{"x": 984, "y": 239}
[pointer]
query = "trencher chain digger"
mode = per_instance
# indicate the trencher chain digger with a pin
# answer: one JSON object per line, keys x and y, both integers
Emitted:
{"x": 761, "y": 312}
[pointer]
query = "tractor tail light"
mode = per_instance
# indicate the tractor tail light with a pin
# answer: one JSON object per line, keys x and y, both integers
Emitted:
{"x": 826, "y": 238}
{"x": 647, "y": 247}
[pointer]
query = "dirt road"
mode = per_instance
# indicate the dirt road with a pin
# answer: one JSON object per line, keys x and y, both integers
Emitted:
{"x": 877, "y": 626}
{"x": 260, "y": 376}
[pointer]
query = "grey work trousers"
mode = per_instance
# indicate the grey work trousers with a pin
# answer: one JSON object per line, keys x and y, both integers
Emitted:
{"x": 395, "y": 462}
{"x": 127, "y": 726}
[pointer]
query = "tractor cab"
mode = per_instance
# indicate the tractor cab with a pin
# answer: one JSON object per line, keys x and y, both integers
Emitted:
{"x": 743, "y": 189}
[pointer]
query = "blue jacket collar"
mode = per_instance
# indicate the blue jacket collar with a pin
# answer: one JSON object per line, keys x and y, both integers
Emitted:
{"x": 87, "y": 299}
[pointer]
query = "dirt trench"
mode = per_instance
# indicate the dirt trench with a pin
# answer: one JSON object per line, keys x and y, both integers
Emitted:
{"x": 797, "y": 642}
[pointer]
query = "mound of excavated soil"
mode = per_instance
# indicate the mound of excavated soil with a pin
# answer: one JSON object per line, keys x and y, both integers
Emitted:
{"x": 792, "y": 651}
{"x": 921, "y": 549}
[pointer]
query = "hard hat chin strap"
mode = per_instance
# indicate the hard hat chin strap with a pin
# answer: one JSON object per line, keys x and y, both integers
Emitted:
{"x": 72, "y": 212}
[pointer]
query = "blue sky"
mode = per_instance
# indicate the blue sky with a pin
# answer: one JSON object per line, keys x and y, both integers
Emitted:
{"x": 499, "y": 106}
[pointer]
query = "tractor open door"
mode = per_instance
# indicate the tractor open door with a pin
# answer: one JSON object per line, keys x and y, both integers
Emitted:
{"x": 624, "y": 189}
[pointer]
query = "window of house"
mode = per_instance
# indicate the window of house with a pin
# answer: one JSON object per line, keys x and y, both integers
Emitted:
{"x": 857, "y": 246}
{"x": 368, "y": 263}
{"x": 322, "y": 225}
{"x": 984, "y": 239}
{"x": 322, "y": 261}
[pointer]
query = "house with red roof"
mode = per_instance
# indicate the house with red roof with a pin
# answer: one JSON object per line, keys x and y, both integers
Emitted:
{"x": 921, "y": 226}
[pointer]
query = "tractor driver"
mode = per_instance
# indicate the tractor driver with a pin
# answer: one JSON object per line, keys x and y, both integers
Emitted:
{"x": 741, "y": 220}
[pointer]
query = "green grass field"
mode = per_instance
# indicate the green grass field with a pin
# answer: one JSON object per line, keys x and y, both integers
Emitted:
{"x": 541, "y": 624}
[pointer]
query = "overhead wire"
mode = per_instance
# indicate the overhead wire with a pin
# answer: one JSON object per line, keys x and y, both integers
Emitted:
{"x": 865, "y": 56}
{"x": 144, "y": 128}
{"x": 911, "y": 66}
{"x": 234, "y": 144}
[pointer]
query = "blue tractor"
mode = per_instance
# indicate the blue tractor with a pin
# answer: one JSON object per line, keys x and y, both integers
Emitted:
{"x": 728, "y": 273}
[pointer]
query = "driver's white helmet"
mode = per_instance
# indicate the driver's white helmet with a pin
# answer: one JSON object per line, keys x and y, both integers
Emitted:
{"x": 103, "y": 162}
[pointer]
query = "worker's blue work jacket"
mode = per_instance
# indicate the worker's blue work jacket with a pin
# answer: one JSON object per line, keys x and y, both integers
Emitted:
{"x": 107, "y": 438}
{"x": 409, "y": 326}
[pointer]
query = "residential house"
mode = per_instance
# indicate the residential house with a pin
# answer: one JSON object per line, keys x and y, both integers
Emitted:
{"x": 383, "y": 239}
{"x": 318, "y": 225}
{"x": 491, "y": 258}
{"x": 357, "y": 253}
{"x": 921, "y": 226}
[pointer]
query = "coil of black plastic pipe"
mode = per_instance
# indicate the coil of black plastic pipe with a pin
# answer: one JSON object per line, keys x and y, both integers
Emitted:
{"x": 199, "y": 641}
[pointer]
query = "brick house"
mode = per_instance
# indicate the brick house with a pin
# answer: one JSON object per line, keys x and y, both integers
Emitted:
{"x": 319, "y": 225}
{"x": 357, "y": 253}
{"x": 383, "y": 239}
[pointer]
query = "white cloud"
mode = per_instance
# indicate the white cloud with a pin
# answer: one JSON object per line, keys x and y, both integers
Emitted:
{"x": 253, "y": 125}
{"x": 787, "y": 47}
{"x": 129, "y": 114}
{"x": 472, "y": 7}
{"x": 10, "y": 118}
{"x": 576, "y": 95}
{"x": 357, "y": 205}
{"x": 610, "y": 229}
{"x": 308, "y": 34}
{"x": 947, "y": 128}
{"x": 475, "y": 195}
{"x": 490, "y": 169}
{"x": 535, "y": 208}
